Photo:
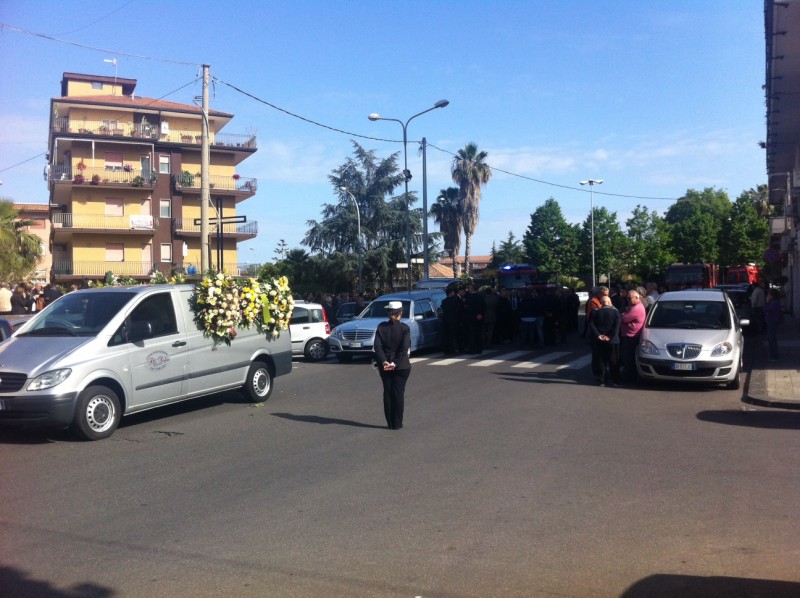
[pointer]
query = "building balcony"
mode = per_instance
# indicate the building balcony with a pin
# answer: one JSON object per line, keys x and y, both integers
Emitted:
{"x": 100, "y": 222}
{"x": 242, "y": 232}
{"x": 187, "y": 181}
{"x": 149, "y": 132}
{"x": 107, "y": 176}
{"x": 98, "y": 269}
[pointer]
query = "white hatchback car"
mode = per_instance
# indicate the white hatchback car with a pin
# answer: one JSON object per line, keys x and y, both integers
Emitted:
{"x": 309, "y": 329}
{"x": 692, "y": 336}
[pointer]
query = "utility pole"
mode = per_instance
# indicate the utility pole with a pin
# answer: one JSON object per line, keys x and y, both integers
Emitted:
{"x": 205, "y": 161}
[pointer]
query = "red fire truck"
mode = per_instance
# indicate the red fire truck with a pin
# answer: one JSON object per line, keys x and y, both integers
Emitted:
{"x": 747, "y": 274}
{"x": 687, "y": 276}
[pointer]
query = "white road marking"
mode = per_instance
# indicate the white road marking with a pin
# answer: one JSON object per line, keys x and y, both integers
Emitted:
{"x": 540, "y": 360}
{"x": 501, "y": 359}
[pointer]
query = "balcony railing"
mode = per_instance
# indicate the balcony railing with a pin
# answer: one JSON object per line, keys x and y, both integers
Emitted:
{"x": 108, "y": 175}
{"x": 103, "y": 222}
{"x": 149, "y": 132}
{"x": 187, "y": 180}
{"x": 186, "y": 225}
{"x": 98, "y": 269}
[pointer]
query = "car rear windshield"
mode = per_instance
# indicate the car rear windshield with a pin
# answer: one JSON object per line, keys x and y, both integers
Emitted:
{"x": 689, "y": 314}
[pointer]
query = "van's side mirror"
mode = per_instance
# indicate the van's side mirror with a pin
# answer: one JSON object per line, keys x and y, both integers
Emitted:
{"x": 140, "y": 330}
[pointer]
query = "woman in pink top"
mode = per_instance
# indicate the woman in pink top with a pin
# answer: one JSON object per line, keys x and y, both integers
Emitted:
{"x": 631, "y": 324}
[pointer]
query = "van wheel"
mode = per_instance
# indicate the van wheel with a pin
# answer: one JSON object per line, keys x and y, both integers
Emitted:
{"x": 344, "y": 357}
{"x": 316, "y": 349}
{"x": 258, "y": 385}
{"x": 98, "y": 413}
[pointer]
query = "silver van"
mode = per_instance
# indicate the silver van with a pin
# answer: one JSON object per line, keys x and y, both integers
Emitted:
{"x": 95, "y": 355}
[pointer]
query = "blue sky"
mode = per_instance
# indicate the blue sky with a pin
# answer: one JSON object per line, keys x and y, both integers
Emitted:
{"x": 653, "y": 97}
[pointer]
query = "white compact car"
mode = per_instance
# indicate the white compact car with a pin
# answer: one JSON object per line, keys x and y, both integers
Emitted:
{"x": 309, "y": 329}
{"x": 692, "y": 336}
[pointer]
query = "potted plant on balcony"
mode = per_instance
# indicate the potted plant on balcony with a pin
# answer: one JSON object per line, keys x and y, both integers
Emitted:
{"x": 95, "y": 179}
{"x": 186, "y": 138}
{"x": 78, "y": 179}
{"x": 138, "y": 181}
{"x": 186, "y": 179}
{"x": 81, "y": 166}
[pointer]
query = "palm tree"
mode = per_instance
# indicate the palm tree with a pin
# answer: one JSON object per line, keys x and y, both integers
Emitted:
{"x": 446, "y": 212}
{"x": 21, "y": 250}
{"x": 470, "y": 172}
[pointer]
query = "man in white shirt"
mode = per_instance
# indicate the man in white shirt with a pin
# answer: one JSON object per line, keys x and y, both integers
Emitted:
{"x": 5, "y": 299}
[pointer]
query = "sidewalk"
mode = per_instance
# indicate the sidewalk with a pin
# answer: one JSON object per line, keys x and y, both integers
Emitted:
{"x": 774, "y": 384}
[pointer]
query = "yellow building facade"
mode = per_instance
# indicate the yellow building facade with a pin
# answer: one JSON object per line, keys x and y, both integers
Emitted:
{"x": 124, "y": 182}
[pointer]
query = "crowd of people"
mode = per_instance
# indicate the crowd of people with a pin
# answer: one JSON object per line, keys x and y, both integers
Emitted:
{"x": 476, "y": 318}
{"x": 26, "y": 298}
{"x": 614, "y": 323}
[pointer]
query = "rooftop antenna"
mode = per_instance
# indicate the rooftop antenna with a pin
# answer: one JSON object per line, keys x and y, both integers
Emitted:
{"x": 114, "y": 62}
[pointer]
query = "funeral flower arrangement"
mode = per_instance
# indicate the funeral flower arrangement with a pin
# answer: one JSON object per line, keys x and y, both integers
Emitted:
{"x": 222, "y": 304}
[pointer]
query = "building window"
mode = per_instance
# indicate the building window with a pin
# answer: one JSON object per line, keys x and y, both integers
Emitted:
{"x": 166, "y": 253}
{"x": 163, "y": 164}
{"x": 113, "y": 161}
{"x": 115, "y": 252}
{"x": 97, "y": 85}
{"x": 166, "y": 209}
{"x": 114, "y": 206}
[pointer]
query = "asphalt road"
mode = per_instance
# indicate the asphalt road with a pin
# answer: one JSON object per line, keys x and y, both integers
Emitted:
{"x": 505, "y": 481}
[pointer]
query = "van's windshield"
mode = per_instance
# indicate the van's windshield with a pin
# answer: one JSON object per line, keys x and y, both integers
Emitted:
{"x": 78, "y": 314}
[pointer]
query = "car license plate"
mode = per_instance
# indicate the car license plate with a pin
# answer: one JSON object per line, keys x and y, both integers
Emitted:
{"x": 683, "y": 366}
{"x": 355, "y": 345}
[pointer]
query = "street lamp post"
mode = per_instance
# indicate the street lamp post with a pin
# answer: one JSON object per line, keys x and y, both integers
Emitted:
{"x": 592, "y": 183}
{"x": 360, "y": 244}
{"x": 407, "y": 177}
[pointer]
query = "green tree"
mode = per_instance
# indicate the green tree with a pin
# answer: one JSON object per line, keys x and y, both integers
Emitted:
{"x": 470, "y": 172}
{"x": 446, "y": 213}
{"x": 744, "y": 235}
{"x": 383, "y": 221}
{"x": 281, "y": 249}
{"x": 511, "y": 251}
{"x": 550, "y": 242}
{"x": 20, "y": 250}
{"x": 610, "y": 245}
{"x": 695, "y": 223}
{"x": 649, "y": 244}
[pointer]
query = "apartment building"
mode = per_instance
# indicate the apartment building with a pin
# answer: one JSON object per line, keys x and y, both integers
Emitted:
{"x": 124, "y": 182}
{"x": 37, "y": 214}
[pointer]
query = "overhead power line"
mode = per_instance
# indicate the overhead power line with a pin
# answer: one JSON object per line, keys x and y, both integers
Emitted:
{"x": 4, "y": 26}
{"x": 337, "y": 130}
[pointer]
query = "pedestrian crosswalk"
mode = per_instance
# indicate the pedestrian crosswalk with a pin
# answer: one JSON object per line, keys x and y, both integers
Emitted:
{"x": 527, "y": 360}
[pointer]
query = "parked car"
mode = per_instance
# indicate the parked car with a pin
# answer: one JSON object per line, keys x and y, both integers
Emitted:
{"x": 420, "y": 312}
{"x": 740, "y": 299}
{"x": 95, "y": 355}
{"x": 309, "y": 329}
{"x": 349, "y": 310}
{"x": 694, "y": 336}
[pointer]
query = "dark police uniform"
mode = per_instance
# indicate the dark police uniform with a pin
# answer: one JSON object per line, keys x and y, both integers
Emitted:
{"x": 392, "y": 344}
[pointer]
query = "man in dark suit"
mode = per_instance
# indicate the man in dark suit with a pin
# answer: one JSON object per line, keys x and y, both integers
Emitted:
{"x": 476, "y": 311}
{"x": 392, "y": 346}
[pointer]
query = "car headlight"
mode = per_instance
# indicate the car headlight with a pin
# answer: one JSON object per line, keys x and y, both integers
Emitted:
{"x": 49, "y": 379}
{"x": 648, "y": 348}
{"x": 722, "y": 349}
{"x": 337, "y": 333}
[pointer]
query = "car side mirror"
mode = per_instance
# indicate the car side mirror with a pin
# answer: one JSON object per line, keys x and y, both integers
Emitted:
{"x": 140, "y": 330}
{"x": 418, "y": 317}
{"x": 744, "y": 322}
